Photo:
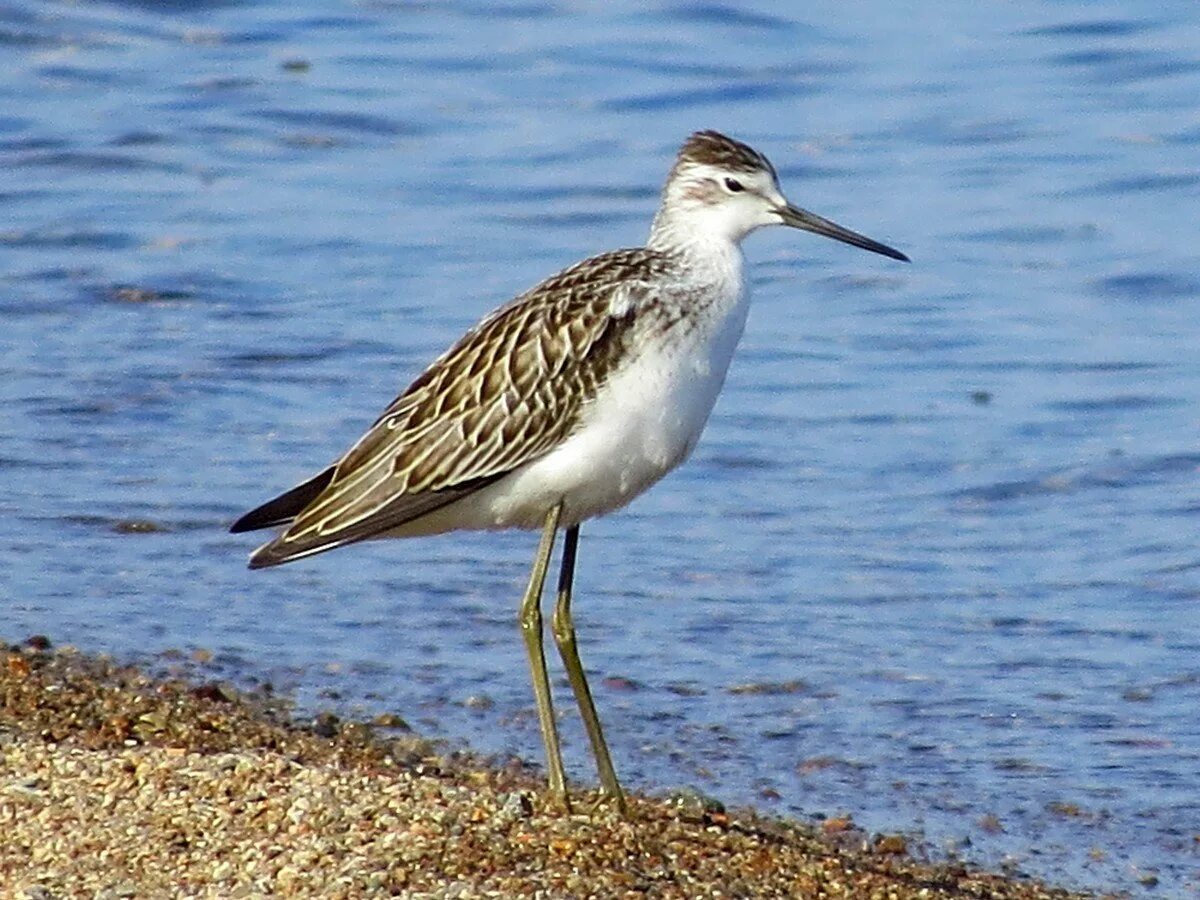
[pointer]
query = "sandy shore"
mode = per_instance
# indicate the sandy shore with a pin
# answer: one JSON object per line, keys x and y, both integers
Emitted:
{"x": 116, "y": 784}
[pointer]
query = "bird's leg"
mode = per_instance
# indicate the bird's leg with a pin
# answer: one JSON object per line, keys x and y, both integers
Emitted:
{"x": 531, "y": 629}
{"x": 564, "y": 637}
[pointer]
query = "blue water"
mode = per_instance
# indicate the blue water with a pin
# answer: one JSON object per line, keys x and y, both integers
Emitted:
{"x": 944, "y": 519}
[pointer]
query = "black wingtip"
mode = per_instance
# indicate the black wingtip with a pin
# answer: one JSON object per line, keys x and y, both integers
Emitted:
{"x": 285, "y": 507}
{"x": 245, "y": 523}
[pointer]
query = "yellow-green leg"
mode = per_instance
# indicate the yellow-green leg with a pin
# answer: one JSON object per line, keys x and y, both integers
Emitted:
{"x": 531, "y": 629}
{"x": 564, "y": 637}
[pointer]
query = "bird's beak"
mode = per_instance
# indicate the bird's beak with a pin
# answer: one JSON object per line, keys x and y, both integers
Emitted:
{"x": 806, "y": 221}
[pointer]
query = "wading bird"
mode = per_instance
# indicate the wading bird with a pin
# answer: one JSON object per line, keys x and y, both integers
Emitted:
{"x": 563, "y": 404}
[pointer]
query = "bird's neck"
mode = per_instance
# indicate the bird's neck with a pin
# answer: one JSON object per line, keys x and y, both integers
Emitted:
{"x": 708, "y": 252}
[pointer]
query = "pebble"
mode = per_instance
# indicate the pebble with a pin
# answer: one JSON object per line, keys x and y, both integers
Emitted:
{"x": 230, "y": 799}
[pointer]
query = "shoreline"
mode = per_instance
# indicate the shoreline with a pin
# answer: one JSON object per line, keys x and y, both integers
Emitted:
{"x": 119, "y": 783}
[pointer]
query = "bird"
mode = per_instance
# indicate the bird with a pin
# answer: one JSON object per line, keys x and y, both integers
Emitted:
{"x": 562, "y": 405}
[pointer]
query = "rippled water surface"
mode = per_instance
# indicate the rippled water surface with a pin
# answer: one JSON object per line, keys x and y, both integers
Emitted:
{"x": 935, "y": 563}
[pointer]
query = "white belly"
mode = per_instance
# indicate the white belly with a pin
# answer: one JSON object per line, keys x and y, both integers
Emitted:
{"x": 645, "y": 421}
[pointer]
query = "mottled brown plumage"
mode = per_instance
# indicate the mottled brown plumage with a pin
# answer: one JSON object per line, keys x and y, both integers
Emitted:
{"x": 509, "y": 391}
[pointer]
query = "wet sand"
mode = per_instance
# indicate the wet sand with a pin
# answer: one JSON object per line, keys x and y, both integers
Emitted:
{"x": 116, "y": 783}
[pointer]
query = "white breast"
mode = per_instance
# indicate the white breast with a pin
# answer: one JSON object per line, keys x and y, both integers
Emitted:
{"x": 644, "y": 422}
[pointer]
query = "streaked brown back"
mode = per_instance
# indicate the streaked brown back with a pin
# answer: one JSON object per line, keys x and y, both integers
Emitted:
{"x": 508, "y": 392}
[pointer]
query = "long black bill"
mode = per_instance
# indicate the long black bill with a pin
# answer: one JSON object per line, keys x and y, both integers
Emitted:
{"x": 806, "y": 221}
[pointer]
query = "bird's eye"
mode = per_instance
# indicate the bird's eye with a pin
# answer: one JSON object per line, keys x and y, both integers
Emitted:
{"x": 733, "y": 186}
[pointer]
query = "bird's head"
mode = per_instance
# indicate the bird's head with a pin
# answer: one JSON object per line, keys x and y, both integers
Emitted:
{"x": 727, "y": 189}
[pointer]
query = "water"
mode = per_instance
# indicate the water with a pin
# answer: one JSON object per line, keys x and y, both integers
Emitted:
{"x": 934, "y": 563}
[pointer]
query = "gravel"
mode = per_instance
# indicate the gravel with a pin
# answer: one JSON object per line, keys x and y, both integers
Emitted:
{"x": 118, "y": 784}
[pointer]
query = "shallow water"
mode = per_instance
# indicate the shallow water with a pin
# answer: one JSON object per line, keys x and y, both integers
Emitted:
{"x": 934, "y": 563}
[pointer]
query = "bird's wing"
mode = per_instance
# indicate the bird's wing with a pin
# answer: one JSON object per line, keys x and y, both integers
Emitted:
{"x": 508, "y": 392}
{"x": 282, "y": 509}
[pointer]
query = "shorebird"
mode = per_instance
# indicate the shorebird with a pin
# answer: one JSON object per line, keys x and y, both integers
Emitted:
{"x": 562, "y": 405}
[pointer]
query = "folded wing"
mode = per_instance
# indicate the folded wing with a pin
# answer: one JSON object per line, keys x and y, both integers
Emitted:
{"x": 507, "y": 393}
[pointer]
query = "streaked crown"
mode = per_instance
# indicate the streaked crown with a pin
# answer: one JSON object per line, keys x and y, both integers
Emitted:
{"x": 711, "y": 148}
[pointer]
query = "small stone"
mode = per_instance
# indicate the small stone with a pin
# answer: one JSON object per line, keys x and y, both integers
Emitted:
{"x": 816, "y": 764}
{"x": 891, "y": 844}
{"x": 621, "y": 683}
{"x": 695, "y": 801}
{"x": 990, "y": 824}
{"x": 794, "y": 686}
{"x": 837, "y": 825}
{"x": 1064, "y": 809}
{"x": 287, "y": 878}
{"x": 29, "y": 787}
{"x": 326, "y": 725}
{"x": 128, "y": 294}
{"x": 517, "y": 805}
{"x": 211, "y": 691}
{"x": 138, "y": 526}
{"x": 391, "y": 720}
